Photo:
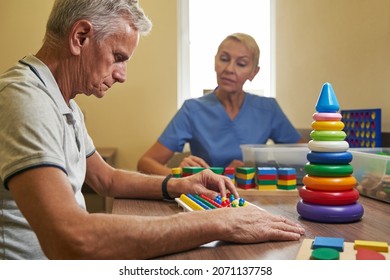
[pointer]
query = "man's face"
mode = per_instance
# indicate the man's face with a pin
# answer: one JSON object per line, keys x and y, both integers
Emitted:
{"x": 103, "y": 64}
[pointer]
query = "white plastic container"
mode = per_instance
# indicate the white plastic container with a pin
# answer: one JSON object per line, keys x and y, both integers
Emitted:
{"x": 371, "y": 168}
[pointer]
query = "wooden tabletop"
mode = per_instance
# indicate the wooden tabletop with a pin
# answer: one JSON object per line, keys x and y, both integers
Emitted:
{"x": 374, "y": 226}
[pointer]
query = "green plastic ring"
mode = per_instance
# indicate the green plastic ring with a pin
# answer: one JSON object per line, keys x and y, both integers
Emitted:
{"x": 328, "y": 135}
{"x": 324, "y": 170}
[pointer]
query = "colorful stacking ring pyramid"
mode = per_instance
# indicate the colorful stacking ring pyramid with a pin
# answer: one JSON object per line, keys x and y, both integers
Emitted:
{"x": 329, "y": 193}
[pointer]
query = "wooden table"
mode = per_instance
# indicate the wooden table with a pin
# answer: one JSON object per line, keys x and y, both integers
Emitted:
{"x": 374, "y": 226}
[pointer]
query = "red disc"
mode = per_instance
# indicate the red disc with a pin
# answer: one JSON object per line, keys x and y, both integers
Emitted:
{"x": 329, "y": 197}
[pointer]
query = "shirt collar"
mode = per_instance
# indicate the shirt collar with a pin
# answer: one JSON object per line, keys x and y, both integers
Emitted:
{"x": 51, "y": 84}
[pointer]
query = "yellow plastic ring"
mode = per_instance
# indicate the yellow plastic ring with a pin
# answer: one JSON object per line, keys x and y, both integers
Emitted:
{"x": 327, "y": 125}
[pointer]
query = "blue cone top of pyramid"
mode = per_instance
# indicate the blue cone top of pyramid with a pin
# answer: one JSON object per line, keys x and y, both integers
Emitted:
{"x": 327, "y": 101}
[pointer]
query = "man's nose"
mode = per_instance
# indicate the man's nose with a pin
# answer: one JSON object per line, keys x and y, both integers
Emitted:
{"x": 119, "y": 73}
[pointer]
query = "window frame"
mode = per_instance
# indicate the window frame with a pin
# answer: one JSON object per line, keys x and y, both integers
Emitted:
{"x": 183, "y": 59}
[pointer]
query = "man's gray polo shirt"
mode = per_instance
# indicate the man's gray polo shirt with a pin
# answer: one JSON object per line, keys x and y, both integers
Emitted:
{"x": 37, "y": 128}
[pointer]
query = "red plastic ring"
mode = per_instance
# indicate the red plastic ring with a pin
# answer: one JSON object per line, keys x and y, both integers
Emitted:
{"x": 328, "y": 197}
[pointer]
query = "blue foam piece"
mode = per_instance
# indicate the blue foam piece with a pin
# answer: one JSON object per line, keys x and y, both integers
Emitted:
{"x": 329, "y": 242}
{"x": 327, "y": 100}
{"x": 266, "y": 171}
{"x": 287, "y": 171}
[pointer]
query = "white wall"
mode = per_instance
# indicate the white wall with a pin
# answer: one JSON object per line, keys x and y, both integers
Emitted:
{"x": 344, "y": 42}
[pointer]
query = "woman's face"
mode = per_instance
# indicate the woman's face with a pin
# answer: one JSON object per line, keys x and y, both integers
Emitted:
{"x": 234, "y": 66}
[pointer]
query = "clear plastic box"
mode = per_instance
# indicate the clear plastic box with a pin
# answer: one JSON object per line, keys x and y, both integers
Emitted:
{"x": 371, "y": 168}
{"x": 277, "y": 155}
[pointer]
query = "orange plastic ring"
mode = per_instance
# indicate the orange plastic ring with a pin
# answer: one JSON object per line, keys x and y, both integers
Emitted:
{"x": 329, "y": 183}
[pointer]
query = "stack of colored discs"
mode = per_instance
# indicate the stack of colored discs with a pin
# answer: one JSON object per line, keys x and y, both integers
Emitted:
{"x": 267, "y": 178}
{"x": 176, "y": 172}
{"x": 329, "y": 193}
{"x": 245, "y": 177}
{"x": 230, "y": 172}
{"x": 191, "y": 170}
{"x": 287, "y": 178}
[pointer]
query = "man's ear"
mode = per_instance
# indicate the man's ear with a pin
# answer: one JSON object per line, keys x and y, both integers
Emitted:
{"x": 79, "y": 36}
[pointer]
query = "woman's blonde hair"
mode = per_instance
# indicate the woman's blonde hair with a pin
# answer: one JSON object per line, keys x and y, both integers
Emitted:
{"x": 249, "y": 42}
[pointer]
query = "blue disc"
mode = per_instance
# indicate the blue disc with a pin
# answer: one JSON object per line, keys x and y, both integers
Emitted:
{"x": 329, "y": 158}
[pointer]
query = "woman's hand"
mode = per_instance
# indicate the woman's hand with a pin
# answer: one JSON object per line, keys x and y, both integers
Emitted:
{"x": 193, "y": 161}
{"x": 236, "y": 163}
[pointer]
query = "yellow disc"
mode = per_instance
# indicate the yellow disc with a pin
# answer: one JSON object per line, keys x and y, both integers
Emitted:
{"x": 327, "y": 125}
